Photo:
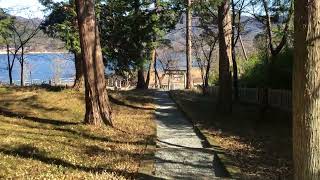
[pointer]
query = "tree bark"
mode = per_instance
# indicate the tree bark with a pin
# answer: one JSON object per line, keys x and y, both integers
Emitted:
{"x": 157, "y": 74}
{"x": 79, "y": 80}
{"x": 207, "y": 72}
{"x": 225, "y": 87}
{"x": 141, "y": 84}
{"x": 152, "y": 61}
{"x": 234, "y": 60}
{"x": 157, "y": 81}
{"x": 98, "y": 110}
{"x": 243, "y": 49}
{"x": 207, "y": 69}
{"x": 306, "y": 90}
{"x": 189, "y": 83}
{"x": 9, "y": 65}
{"x": 22, "y": 66}
{"x": 206, "y": 80}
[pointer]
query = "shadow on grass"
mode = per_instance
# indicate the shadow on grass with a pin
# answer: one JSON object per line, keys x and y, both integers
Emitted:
{"x": 29, "y": 102}
{"x": 30, "y": 152}
{"x": 97, "y": 138}
{"x": 35, "y": 119}
{"x": 50, "y": 88}
{"x": 46, "y": 87}
{"x": 58, "y": 123}
{"x": 121, "y": 103}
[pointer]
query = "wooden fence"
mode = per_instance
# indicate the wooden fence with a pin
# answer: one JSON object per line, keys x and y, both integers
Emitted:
{"x": 52, "y": 82}
{"x": 277, "y": 98}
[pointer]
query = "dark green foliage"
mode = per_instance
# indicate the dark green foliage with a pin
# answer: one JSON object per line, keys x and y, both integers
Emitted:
{"x": 5, "y": 24}
{"x": 277, "y": 74}
{"x": 254, "y": 72}
{"x": 281, "y": 76}
{"x": 124, "y": 33}
{"x": 61, "y": 23}
{"x": 130, "y": 29}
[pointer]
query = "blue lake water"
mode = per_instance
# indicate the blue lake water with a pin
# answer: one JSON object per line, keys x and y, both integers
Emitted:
{"x": 41, "y": 67}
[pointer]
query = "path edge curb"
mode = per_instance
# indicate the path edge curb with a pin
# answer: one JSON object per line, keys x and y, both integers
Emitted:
{"x": 232, "y": 171}
{"x": 146, "y": 167}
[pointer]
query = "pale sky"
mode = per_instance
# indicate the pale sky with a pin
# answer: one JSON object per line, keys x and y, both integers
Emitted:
{"x": 24, "y": 8}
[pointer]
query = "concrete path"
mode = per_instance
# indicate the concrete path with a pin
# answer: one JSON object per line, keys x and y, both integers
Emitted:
{"x": 180, "y": 154}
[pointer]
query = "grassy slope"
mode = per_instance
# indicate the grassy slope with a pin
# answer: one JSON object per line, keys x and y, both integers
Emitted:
{"x": 260, "y": 148}
{"x": 41, "y": 136}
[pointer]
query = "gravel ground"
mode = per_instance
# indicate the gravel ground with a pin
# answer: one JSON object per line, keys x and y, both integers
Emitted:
{"x": 180, "y": 154}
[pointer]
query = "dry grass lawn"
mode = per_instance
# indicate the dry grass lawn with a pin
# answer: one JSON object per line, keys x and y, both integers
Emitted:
{"x": 42, "y": 135}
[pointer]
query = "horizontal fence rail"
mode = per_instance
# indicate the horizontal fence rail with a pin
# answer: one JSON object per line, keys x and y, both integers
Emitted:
{"x": 276, "y": 98}
{"x": 53, "y": 82}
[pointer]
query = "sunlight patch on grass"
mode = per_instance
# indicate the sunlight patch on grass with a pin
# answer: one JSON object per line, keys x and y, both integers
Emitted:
{"x": 42, "y": 135}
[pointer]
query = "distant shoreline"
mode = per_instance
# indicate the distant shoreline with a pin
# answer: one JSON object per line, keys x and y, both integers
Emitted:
{"x": 63, "y": 52}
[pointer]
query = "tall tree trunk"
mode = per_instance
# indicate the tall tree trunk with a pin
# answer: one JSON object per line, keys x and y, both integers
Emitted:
{"x": 243, "y": 49}
{"x": 225, "y": 87}
{"x": 141, "y": 84}
{"x": 156, "y": 73}
{"x": 275, "y": 50}
{"x": 98, "y": 110}
{"x": 306, "y": 93}
{"x": 189, "y": 45}
{"x": 22, "y": 67}
{"x": 207, "y": 72}
{"x": 152, "y": 61}
{"x": 79, "y": 80}
{"x": 9, "y": 65}
{"x": 206, "y": 79}
{"x": 234, "y": 60}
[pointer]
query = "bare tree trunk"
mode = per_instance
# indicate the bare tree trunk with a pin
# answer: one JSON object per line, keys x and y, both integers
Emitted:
{"x": 98, "y": 110}
{"x": 141, "y": 84}
{"x": 207, "y": 72}
{"x": 225, "y": 87}
{"x": 9, "y": 65}
{"x": 234, "y": 60}
{"x": 268, "y": 26}
{"x": 306, "y": 91}
{"x": 276, "y": 50}
{"x": 156, "y": 75}
{"x": 189, "y": 84}
{"x": 152, "y": 61}
{"x": 22, "y": 67}
{"x": 156, "y": 72}
{"x": 79, "y": 80}
{"x": 243, "y": 49}
{"x": 206, "y": 79}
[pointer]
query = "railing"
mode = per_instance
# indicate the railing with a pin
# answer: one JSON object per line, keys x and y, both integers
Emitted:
{"x": 52, "y": 82}
{"x": 118, "y": 84}
{"x": 277, "y": 98}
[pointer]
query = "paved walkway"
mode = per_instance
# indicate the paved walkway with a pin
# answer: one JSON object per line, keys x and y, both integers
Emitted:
{"x": 180, "y": 154}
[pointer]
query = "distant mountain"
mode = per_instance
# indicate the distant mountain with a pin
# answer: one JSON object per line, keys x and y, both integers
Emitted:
{"x": 177, "y": 36}
{"x": 252, "y": 28}
{"x": 39, "y": 43}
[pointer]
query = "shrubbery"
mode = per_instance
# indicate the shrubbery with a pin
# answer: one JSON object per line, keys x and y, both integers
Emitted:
{"x": 277, "y": 74}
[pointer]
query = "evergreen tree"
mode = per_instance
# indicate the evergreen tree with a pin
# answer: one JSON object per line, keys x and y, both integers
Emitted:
{"x": 62, "y": 23}
{"x": 131, "y": 31}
